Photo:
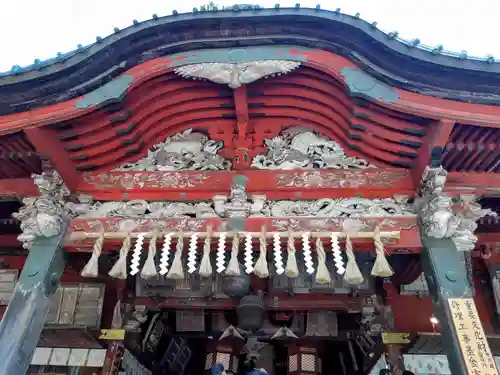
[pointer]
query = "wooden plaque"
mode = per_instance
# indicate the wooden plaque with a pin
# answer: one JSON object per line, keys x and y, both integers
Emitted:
{"x": 471, "y": 337}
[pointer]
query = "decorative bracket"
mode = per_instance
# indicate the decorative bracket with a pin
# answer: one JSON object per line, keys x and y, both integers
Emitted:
{"x": 47, "y": 214}
{"x": 442, "y": 216}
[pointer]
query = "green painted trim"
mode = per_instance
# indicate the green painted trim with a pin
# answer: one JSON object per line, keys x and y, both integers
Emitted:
{"x": 114, "y": 90}
{"x": 364, "y": 85}
{"x": 239, "y": 55}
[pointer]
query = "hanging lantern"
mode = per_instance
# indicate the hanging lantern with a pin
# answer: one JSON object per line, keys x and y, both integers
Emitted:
{"x": 303, "y": 361}
{"x": 250, "y": 313}
{"x": 223, "y": 355}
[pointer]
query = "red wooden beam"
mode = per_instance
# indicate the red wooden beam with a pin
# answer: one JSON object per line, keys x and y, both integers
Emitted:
{"x": 409, "y": 238}
{"x": 472, "y": 183}
{"x": 434, "y": 143}
{"x": 366, "y": 183}
{"x": 290, "y": 303}
{"x": 46, "y": 142}
{"x": 23, "y": 187}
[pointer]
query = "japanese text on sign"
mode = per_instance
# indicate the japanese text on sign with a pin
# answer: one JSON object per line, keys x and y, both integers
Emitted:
{"x": 473, "y": 343}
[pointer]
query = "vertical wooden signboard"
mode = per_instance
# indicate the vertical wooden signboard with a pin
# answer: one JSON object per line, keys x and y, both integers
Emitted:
{"x": 471, "y": 337}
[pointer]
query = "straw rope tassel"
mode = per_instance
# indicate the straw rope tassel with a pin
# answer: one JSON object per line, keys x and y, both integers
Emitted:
{"x": 91, "y": 269}
{"x": 381, "y": 267}
{"x": 149, "y": 268}
{"x": 322, "y": 273}
{"x": 165, "y": 253}
{"x": 136, "y": 255}
{"x": 117, "y": 321}
{"x": 233, "y": 268}
{"x": 176, "y": 271}
{"x": 261, "y": 270}
{"x": 352, "y": 273}
{"x": 291, "y": 269}
{"x": 119, "y": 270}
{"x": 205, "y": 264}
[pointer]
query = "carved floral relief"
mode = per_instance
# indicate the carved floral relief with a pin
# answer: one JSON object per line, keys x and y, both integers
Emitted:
{"x": 351, "y": 178}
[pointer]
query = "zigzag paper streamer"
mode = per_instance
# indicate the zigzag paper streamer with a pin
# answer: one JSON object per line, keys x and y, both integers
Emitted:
{"x": 337, "y": 255}
{"x": 221, "y": 253}
{"x": 165, "y": 254}
{"x": 192, "y": 253}
{"x": 278, "y": 257}
{"x": 136, "y": 255}
{"x": 306, "y": 248}
{"x": 248, "y": 254}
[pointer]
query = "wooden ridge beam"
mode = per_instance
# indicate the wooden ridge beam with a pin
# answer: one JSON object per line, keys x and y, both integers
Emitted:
{"x": 17, "y": 187}
{"x": 46, "y": 143}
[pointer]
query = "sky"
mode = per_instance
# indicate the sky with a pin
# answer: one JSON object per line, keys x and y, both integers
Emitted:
{"x": 40, "y": 29}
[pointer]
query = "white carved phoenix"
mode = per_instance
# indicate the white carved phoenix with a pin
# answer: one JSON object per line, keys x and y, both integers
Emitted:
{"x": 238, "y": 74}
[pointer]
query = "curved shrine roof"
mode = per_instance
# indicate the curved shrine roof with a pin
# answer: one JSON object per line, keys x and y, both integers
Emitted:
{"x": 400, "y": 64}
{"x": 108, "y": 103}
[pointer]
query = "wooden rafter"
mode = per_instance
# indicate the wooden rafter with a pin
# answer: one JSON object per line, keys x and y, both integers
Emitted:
{"x": 45, "y": 141}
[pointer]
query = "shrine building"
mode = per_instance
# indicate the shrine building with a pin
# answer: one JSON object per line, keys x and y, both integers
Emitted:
{"x": 250, "y": 191}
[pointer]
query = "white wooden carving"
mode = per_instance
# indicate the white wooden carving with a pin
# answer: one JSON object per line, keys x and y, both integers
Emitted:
{"x": 43, "y": 215}
{"x": 186, "y": 151}
{"x": 237, "y": 204}
{"x": 443, "y": 217}
{"x": 238, "y": 74}
{"x": 301, "y": 148}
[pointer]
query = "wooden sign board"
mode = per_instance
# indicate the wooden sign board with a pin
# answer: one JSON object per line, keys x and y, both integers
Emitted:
{"x": 393, "y": 338}
{"x": 471, "y": 337}
{"x": 112, "y": 334}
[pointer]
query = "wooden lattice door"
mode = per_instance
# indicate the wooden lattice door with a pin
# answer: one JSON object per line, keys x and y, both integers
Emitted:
{"x": 177, "y": 356}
